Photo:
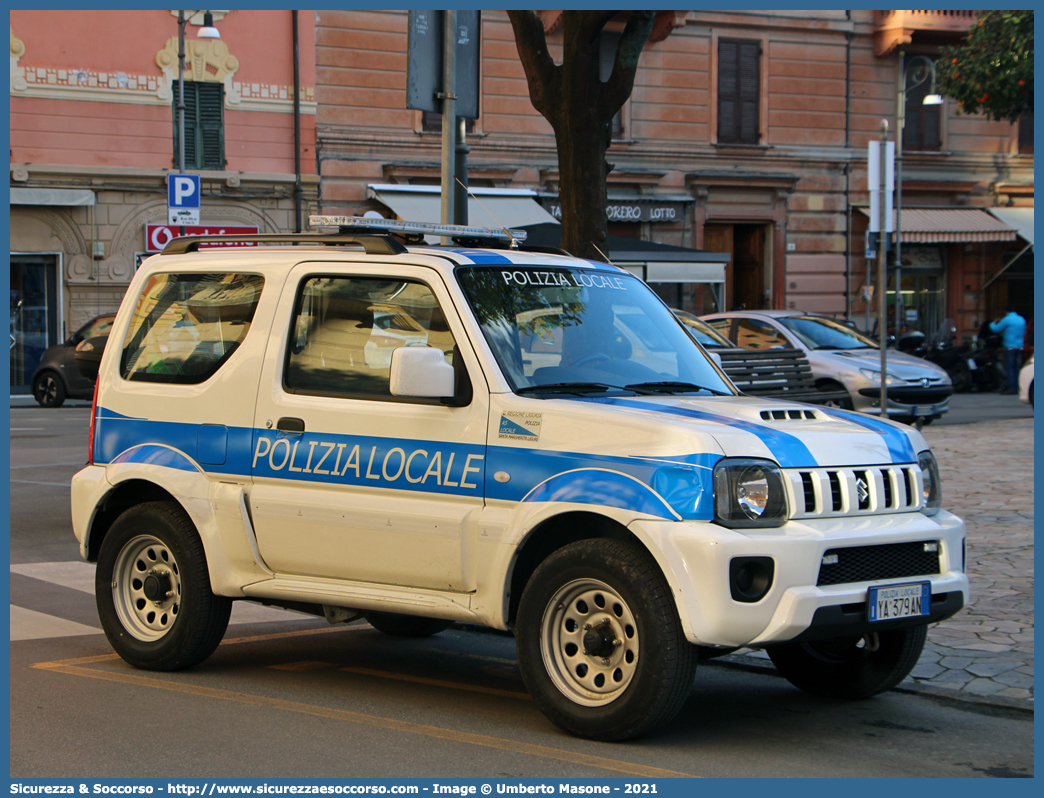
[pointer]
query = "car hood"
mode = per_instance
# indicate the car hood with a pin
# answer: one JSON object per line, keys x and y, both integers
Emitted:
{"x": 899, "y": 364}
{"x": 793, "y": 434}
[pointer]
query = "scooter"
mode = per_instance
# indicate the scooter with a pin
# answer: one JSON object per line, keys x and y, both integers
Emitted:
{"x": 968, "y": 369}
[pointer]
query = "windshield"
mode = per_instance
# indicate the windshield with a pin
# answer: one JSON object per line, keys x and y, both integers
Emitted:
{"x": 584, "y": 331}
{"x": 817, "y": 332}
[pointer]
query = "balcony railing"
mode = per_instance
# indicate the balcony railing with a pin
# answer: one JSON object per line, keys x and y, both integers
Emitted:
{"x": 897, "y": 28}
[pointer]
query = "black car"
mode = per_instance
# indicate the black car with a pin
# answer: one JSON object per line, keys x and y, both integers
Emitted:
{"x": 57, "y": 378}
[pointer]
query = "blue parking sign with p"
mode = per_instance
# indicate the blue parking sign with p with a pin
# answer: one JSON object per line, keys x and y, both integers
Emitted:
{"x": 183, "y": 195}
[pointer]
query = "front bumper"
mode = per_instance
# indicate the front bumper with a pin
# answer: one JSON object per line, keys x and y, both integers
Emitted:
{"x": 905, "y": 401}
{"x": 696, "y": 559}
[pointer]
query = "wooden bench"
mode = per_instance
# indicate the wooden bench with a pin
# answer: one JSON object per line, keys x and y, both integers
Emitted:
{"x": 776, "y": 374}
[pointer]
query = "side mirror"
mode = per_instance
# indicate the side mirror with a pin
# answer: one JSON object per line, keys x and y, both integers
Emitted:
{"x": 715, "y": 357}
{"x": 421, "y": 371}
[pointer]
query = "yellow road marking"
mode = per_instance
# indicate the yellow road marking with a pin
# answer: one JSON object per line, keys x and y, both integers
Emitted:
{"x": 439, "y": 683}
{"x": 467, "y": 738}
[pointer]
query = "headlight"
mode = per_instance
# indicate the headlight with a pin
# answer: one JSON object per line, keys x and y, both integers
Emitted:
{"x": 932, "y": 485}
{"x": 875, "y": 376}
{"x": 749, "y": 493}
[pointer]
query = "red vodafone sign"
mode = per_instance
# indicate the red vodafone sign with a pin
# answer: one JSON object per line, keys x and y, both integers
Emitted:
{"x": 157, "y": 236}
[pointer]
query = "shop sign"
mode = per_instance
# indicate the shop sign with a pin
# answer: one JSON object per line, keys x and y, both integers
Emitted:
{"x": 157, "y": 236}
{"x": 643, "y": 211}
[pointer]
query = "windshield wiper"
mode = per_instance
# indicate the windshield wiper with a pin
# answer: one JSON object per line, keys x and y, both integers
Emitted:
{"x": 569, "y": 387}
{"x": 668, "y": 386}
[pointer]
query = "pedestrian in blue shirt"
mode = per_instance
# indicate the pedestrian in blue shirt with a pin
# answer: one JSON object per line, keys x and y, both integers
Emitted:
{"x": 1012, "y": 329}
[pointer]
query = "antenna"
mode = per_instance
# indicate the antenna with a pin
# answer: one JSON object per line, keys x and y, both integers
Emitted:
{"x": 607, "y": 260}
{"x": 514, "y": 241}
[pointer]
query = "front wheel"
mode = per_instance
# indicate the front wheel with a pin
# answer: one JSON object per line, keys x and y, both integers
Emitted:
{"x": 599, "y": 642}
{"x": 153, "y": 591}
{"x": 850, "y": 667}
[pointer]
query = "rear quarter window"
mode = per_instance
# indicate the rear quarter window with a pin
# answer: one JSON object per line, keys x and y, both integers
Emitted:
{"x": 186, "y": 326}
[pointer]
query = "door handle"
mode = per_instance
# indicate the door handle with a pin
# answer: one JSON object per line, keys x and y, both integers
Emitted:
{"x": 289, "y": 424}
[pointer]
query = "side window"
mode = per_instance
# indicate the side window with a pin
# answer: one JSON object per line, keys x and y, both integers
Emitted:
{"x": 751, "y": 334}
{"x": 185, "y": 326}
{"x": 724, "y": 326}
{"x": 346, "y": 328}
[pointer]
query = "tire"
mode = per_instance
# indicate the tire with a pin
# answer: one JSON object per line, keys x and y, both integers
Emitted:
{"x": 49, "y": 390}
{"x": 961, "y": 377}
{"x": 153, "y": 552}
{"x": 839, "y": 404}
{"x": 406, "y": 625}
{"x": 641, "y": 667}
{"x": 848, "y": 667}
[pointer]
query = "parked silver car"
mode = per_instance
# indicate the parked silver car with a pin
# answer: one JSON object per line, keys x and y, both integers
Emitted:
{"x": 842, "y": 357}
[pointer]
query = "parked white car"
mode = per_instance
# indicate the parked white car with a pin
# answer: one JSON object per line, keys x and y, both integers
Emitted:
{"x": 842, "y": 357}
{"x": 1026, "y": 383}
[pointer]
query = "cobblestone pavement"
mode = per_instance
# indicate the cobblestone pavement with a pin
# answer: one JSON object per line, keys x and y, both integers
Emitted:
{"x": 984, "y": 653}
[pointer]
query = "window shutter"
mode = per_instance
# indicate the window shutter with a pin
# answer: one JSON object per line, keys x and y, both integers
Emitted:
{"x": 739, "y": 91}
{"x": 211, "y": 135}
{"x": 204, "y": 125}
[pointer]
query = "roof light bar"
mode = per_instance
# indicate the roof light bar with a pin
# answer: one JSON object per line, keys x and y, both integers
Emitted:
{"x": 350, "y": 223}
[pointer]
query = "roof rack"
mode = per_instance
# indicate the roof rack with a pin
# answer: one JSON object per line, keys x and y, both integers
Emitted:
{"x": 461, "y": 234}
{"x": 373, "y": 244}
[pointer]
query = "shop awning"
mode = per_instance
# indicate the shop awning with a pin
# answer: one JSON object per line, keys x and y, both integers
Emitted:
{"x": 654, "y": 263}
{"x": 64, "y": 197}
{"x": 489, "y": 207}
{"x": 1019, "y": 218}
{"x": 950, "y": 225}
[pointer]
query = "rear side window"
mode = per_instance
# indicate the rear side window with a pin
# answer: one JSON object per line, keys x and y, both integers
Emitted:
{"x": 185, "y": 326}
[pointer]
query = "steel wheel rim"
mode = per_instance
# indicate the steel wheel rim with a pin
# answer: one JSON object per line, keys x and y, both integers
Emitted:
{"x": 589, "y": 610}
{"x": 146, "y": 588}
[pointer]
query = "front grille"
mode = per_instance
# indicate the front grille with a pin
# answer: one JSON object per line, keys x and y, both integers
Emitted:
{"x": 826, "y": 492}
{"x": 888, "y": 561}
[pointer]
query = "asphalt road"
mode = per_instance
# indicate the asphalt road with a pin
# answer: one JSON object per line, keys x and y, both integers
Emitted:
{"x": 289, "y": 696}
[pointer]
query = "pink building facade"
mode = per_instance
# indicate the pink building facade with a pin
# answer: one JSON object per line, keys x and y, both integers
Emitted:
{"x": 93, "y": 138}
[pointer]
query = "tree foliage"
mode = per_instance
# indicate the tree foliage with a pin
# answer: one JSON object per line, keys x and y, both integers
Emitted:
{"x": 992, "y": 72}
{"x": 580, "y": 108}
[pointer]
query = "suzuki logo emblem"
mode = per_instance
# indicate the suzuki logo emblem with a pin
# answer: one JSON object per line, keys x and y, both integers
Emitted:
{"x": 862, "y": 489}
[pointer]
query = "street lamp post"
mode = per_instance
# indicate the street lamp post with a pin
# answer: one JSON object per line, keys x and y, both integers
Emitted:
{"x": 208, "y": 31}
{"x": 922, "y": 68}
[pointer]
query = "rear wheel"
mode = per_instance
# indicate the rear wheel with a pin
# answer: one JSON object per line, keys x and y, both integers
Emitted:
{"x": 851, "y": 667}
{"x": 961, "y": 377}
{"x": 153, "y": 591}
{"x": 48, "y": 390}
{"x": 599, "y": 642}
{"x": 406, "y": 625}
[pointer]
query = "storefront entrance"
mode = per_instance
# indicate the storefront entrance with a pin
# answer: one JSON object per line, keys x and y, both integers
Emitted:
{"x": 747, "y": 284}
{"x": 35, "y": 314}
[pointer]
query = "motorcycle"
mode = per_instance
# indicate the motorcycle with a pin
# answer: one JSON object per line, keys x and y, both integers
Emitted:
{"x": 977, "y": 368}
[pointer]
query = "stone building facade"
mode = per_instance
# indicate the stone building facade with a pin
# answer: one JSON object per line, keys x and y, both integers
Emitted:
{"x": 783, "y": 191}
{"x": 746, "y": 133}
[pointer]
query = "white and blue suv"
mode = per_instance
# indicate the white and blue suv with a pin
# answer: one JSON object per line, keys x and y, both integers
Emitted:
{"x": 361, "y": 425}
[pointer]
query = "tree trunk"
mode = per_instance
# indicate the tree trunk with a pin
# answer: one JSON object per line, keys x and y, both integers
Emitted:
{"x": 580, "y": 108}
